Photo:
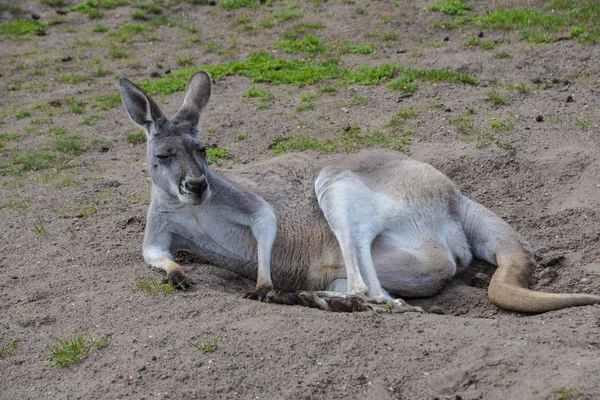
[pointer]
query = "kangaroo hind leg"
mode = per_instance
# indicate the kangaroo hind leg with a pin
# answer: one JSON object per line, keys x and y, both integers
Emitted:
{"x": 356, "y": 215}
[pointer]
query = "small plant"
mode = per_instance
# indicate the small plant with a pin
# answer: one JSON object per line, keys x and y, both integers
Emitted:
{"x": 239, "y": 137}
{"x": 582, "y": 123}
{"x": 463, "y": 124}
{"x": 71, "y": 78}
{"x": 9, "y": 348}
{"x": 308, "y": 44}
{"x": 497, "y": 98}
{"x": 478, "y": 42}
{"x": 501, "y": 126}
{"x": 451, "y": 7}
{"x": 117, "y": 53}
{"x": 215, "y": 155}
{"x": 214, "y": 47}
{"x": 74, "y": 349}
{"x": 564, "y": 393}
{"x": 100, "y": 29}
{"x": 502, "y": 54}
{"x": 362, "y": 49}
{"x": 106, "y": 102}
{"x": 257, "y": 92}
{"x": 153, "y": 287}
{"x": 207, "y": 347}
{"x": 38, "y": 226}
{"x": 22, "y": 114}
{"x": 360, "y": 10}
{"x": 91, "y": 119}
{"x": 184, "y": 61}
{"x": 140, "y": 15}
{"x": 137, "y": 138}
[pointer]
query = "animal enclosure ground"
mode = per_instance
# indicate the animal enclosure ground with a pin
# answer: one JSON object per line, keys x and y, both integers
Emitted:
{"x": 502, "y": 100}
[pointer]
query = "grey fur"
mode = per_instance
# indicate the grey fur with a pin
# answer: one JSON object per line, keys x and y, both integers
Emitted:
{"x": 375, "y": 224}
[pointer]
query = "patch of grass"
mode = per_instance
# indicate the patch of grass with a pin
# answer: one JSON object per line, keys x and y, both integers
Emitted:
{"x": 71, "y": 78}
{"x": 9, "y": 348}
{"x": 309, "y": 44}
{"x": 75, "y": 106}
{"x": 214, "y": 47}
{"x": 10, "y": 7}
{"x": 389, "y": 36}
{"x": 302, "y": 143}
{"x": 20, "y": 27}
{"x": 451, "y": 7}
{"x": 583, "y": 123}
{"x": 88, "y": 212}
{"x": 235, "y": 4}
{"x": 283, "y": 16}
{"x": 207, "y": 347}
{"x": 435, "y": 45}
{"x": 502, "y": 54}
{"x": 183, "y": 60}
{"x": 72, "y": 144}
{"x": 305, "y": 107}
{"x": 501, "y": 126}
{"x": 481, "y": 43}
{"x": 360, "y": 10}
{"x": 22, "y": 114}
{"x": 153, "y": 287}
{"x": 403, "y": 85}
{"x": 402, "y": 117}
{"x": 92, "y": 7}
{"x": 32, "y": 161}
{"x": 117, "y": 53}
{"x": 38, "y": 226}
{"x": 257, "y": 92}
{"x": 74, "y": 349}
{"x": 464, "y": 125}
{"x": 564, "y": 393}
{"x": 497, "y": 98}
{"x": 216, "y": 155}
{"x": 127, "y": 31}
{"x": 362, "y": 49}
{"x": 100, "y": 29}
{"x": 358, "y": 101}
{"x": 106, "y": 101}
{"x": 520, "y": 87}
{"x": 137, "y": 138}
{"x": 140, "y": 15}
{"x": 239, "y": 137}
{"x": 19, "y": 205}
{"x": 91, "y": 119}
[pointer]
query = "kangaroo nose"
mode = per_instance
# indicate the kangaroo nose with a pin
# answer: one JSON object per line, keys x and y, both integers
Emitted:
{"x": 196, "y": 185}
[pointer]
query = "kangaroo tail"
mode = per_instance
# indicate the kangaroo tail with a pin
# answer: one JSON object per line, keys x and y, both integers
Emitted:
{"x": 493, "y": 240}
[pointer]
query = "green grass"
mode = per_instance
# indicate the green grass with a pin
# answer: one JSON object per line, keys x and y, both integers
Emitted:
{"x": 7, "y": 136}
{"x": 481, "y": 43}
{"x": 362, "y": 49}
{"x": 38, "y": 226}
{"x": 464, "y": 125}
{"x": 283, "y": 16}
{"x": 207, "y": 347}
{"x": 117, "y": 53}
{"x": 257, "y": 92}
{"x": 20, "y": 27}
{"x": 106, "y": 101}
{"x": 91, "y": 119}
{"x": 71, "y": 78}
{"x": 137, "y": 138}
{"x": 214, "y": 47}
{"x": 140, "y": 15}
{"x": 583, "y": 123}
{"x": 564, "y": 393}
{"x": 502, "y": 54}
{"x": 309, "y": 44}
{"x": 358, "y": 101}
{"x": 235, "y": 4}
{"x": 501, "y": 126}
{"x": 10, "y": 7}
{"x": 32, "y": 161}
{"x": 92, "y": 7}
{"x": 74, "y": 349}
{"x": 264, "y": 67}
{"x": 151, "y": 287}
{"x": 302, "y": 143}
{"x": 497, "y": 98}
{"x": 451, "y": 7}
{"x": 520, "y": 87}
{"x": 22, "y": 114}
{"x": 9, "y": 348}
{"x": 100, "y": 29}
{"x": 127, "y": 31}
{"x": 216, "y": 155}
{"x": 183, "y": 60}
{"x": 75, "y": 106}
{"x": 402, "y": 117}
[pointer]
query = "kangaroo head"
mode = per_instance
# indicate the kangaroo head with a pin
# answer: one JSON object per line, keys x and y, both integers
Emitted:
{"x": 176, "y": 156}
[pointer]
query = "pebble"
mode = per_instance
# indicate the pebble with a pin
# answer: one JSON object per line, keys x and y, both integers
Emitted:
{"x": 35, "y": 16}
{"x": 66, "y": 58}
{"x": 447, "y": 38}
{"x": 168, "y": 71}
{"x": 570, "y": 99}
{"x": 212, "y": 3}
{"x": 347, "y": 128}
{"x": 61, "y": 12}
{"x": 539, "y": 118}
{"x": 480, "y": 34}
{"x": 420, "y": 331}
{"x": 155, "y": 74}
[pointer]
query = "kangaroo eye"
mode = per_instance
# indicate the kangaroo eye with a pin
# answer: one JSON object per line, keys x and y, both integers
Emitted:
{"x": 163, "y": 156}
{"x": 202, "y": 150}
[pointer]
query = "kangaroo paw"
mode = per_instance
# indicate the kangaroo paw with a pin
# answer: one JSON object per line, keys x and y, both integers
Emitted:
{"x": 259, "y": 294}
{"x": 348, "y": 304}
{"x": 400, "y": 306}
{"x": 179, "y": 279}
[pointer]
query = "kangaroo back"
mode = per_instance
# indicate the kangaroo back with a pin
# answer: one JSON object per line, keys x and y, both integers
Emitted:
{"x": 493, "y": 240}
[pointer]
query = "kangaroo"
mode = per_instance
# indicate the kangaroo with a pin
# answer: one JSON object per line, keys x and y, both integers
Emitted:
{"x": 338, "y": 234}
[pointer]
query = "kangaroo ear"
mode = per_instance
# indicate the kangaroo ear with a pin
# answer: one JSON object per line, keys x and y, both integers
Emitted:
{"x": 196, "y": 98}
{"x": 141, "y": 108}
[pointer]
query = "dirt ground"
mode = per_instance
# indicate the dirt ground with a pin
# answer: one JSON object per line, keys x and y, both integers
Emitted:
{"x": 71, "y": 230}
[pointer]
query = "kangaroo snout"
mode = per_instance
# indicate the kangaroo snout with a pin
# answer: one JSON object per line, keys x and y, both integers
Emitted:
{"x": 195, "y": 186}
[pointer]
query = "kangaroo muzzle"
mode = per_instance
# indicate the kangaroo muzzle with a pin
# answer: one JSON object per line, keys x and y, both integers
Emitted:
{"x": 194, "y": 186}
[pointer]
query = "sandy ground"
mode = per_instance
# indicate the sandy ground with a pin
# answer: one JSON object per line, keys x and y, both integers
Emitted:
{"x": 70, "y": 247}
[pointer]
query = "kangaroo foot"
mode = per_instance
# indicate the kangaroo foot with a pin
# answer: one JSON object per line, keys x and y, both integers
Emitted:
{"x": 343, "y": 303}
{"x": 260, "y": 294}
{"x": 179, "y": 279}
